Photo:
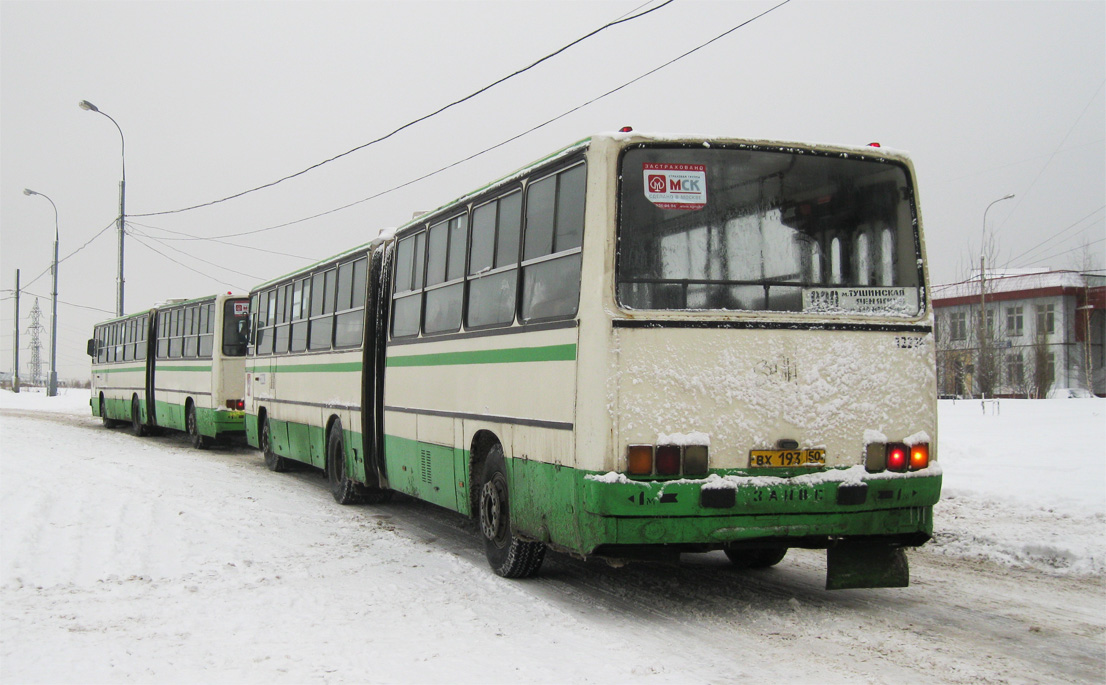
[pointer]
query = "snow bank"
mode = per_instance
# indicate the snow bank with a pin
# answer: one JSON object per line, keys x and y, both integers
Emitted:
{"x": 1024, "y": 483}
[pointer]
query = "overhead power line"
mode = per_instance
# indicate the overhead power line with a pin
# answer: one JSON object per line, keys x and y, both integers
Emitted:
{"x": 504, "y": 142}
{"x": 182, "y": 264}
{"x": 89, "y": 242}
{"x": 1054, "y": 236}
{"x": 189, "y": 236}
{"x": 68, "y": 304}
{"x": 418, "y": 120}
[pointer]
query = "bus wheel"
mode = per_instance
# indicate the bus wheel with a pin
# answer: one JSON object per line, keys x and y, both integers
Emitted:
{"x": 108, "y": 423}
{"x": 756, "y": 558}
{"x": 272, "y": 461}
{"x": 343, "y": 489}
{"x": 199, "y": 441}
{"x": 137, "y": 426}
{"x": 508, "y": 556}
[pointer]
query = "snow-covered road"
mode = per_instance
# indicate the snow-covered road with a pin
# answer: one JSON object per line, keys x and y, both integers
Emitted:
{"x": 132, "y": 560}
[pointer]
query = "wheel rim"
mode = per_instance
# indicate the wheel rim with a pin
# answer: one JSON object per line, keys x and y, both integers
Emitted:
{"x": 191, "y": 421}
{"x": 493, "y": 498}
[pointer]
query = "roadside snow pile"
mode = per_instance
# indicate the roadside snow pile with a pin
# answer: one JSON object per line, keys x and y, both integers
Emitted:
{"x": 1024, "y": 483}
{"x": 68, "y": 401}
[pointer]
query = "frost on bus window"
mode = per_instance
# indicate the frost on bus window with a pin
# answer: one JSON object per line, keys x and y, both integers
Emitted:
{"x": 758, "y": 230}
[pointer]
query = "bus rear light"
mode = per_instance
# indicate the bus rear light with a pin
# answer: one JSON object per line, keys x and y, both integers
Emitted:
{"x": 875, "y": 457}
{"x": 897, "y": 457}
{"x": 237, "y": 405}
{"x": 639, "y": 460}
{"x": 919, "y": 457}
{"x": 695, "y": 460}
{"x": 668, "y": 460}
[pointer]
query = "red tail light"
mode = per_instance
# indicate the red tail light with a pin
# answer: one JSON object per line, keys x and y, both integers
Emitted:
{"x": 897, "y": 457}
{"x": 237, "y": 405}
{"x": 639, "y": 460}
{"x": 668, "y": 460}
{"x": 919, "y": 457}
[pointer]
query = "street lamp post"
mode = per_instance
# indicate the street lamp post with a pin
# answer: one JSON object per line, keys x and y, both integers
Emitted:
{"x": 983, "y": 293}
{"x": 52, "y": 380}
{"x": 86, "y": 105}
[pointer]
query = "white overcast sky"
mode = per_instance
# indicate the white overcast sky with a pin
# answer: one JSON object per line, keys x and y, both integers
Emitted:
{"x": 214, "y": 98}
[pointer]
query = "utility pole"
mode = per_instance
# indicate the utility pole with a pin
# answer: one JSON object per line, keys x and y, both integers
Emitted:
{"x": 15, "y": 347}
{"x": 35, "y": 330}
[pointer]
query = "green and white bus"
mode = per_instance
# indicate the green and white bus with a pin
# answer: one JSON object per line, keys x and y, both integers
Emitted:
{"x": 637, "y": 347}
{"x": 179, "y": 365}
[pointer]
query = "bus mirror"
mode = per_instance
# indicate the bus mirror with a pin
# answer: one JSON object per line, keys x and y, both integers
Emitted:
{"x": 92, "y": 347}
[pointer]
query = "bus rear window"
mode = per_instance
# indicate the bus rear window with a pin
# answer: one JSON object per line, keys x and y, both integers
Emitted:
{"x": 236, "y": 327}
{"x": 757, "y": 230}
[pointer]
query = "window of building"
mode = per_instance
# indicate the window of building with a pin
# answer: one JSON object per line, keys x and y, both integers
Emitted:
{"x": 1015, "y": 370}
{"x": 1046, "y": 319}
{"x": 1014, "y": 321}
{"x": 958, "y": 326}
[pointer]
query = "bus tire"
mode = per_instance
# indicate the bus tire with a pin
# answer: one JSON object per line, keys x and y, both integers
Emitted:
{"x": 342, "y": 487}
{"x": 508, "y": 556}
{"x": 108, "y": 423}
{"x": 272, "y": 461}
{"x": 199, "y": 440}
{"x": 761, "y": 557}
{"x": 137, "y": 427}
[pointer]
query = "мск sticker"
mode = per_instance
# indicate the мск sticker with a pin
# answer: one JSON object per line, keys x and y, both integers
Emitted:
{"x": 676, "y": 186}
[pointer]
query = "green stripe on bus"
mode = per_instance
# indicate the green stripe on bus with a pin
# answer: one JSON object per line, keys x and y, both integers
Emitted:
{"x": 184, "y": 368}
{"x": 337, "y": 367}
{"x": 550, "y": 353}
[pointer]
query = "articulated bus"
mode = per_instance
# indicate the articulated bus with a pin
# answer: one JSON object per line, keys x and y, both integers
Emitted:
{"x": 637, "y": 347}
{"x": 179, "y": 365}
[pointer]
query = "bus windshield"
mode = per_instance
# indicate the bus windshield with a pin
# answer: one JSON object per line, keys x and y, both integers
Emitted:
{"x": 236, "y": 327}
{"x": 766, "y": 230}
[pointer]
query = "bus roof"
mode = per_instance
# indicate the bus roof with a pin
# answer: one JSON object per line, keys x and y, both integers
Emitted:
{"x": 620, "y": 137}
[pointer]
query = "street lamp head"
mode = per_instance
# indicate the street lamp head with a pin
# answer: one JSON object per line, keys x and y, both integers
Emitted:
{"x": 86, "y": 105}
{"x": 28, "y": 191}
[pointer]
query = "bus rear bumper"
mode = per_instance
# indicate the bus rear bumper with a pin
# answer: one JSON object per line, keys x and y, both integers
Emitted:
{"x": 799, "y": 512}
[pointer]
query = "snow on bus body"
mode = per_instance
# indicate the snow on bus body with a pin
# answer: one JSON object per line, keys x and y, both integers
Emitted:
{"x": 812, "y": 380}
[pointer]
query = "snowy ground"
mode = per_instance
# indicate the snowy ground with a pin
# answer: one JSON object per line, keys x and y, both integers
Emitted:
{"x": 127, "y": 559}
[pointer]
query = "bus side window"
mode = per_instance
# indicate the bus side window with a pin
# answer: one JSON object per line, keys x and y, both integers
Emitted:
{"x": 321, "y": 333}
{"x": 128, "y": 340}
{"x": 283, "y": 322}
{"x": 252, "y": 343}
{"x": 101, "y": 346}
{"x": 444, "y": 270}
{"x": 265, "y": 321}
{"x": 143, "y": 330}
{"x": 493, "y": 265}
{"x": 176, "y": 344}
{"x": 207, "y": 327}
{"x": 554, "y": 234}
{"x": 191, "y": 331}
{"x": 407, "y": 303}
{"x": 349, "y": 322}
{"x": 301, "y": 296}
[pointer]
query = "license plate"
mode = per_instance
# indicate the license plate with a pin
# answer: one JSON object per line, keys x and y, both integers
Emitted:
{"x": 786, "y": 458}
